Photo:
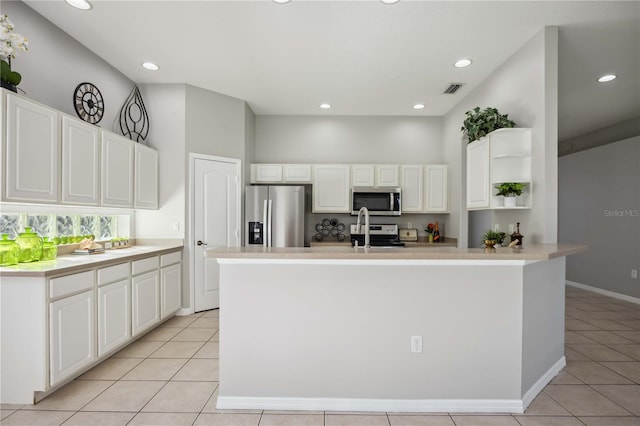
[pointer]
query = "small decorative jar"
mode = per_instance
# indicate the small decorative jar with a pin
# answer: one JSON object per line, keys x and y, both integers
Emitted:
{"x": 9, "y": 251}
{"x": 49, "y": 249}
{"x": 30, "y": 246}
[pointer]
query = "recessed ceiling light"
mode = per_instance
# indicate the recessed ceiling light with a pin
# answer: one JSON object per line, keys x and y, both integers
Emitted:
{"x": 281, "y": 1}
{"x": 418, "y": 106}
{"x": 462, "y": 63}
{"x": 606, "y": 78}
{"x": 325, "y": 106}
{"x": 150, "y": 66}
{"x": 79, "y": 4}
{"x": 389, "y": 1}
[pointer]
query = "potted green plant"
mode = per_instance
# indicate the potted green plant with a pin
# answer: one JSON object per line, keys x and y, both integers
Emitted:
{"x": 492, "y": 238}
{"x": 10, "y": 44}
{"x": 480, "y": 122}
{"x": 510, "y": 190}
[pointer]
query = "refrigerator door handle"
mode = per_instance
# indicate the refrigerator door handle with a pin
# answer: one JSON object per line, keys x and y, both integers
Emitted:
{"x": 269, "y": 228}
{"x": 265, "y": 227}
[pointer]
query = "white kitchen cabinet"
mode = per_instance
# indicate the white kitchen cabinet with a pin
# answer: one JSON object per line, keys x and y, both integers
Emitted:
{"x": 2, "y": 143}
{"x": 146, "y": 177}
{"x": 117, "y": 159}
{"x": 504, "y": 155}
{"x": 33, "y": 150}
{"x": 436, "y": 188}
{"x": 387, "y": 175}
{"x": 331, "y": 188}
{"x": 72, "y": 335}
{"x": 375, "y": 175}
{"x": 145, "y": 294}
{"x": 266, "y": 173}
{"x": 297, "y": 173}
{"x": 363, "y": 175}
{"x": 170, "y": 289}
{"x": 412, "y": 185}
{"x": 478, "y": 185}
{"x": 80, "y": 162}
{"x": 114, "y": 307}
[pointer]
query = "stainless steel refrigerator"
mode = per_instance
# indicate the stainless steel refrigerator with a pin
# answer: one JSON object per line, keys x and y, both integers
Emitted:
{"x": 274, "y": 216}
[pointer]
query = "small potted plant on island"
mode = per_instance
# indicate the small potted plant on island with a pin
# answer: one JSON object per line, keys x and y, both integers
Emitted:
{"x": 493, "y": 238}
{"x": 510, "y": 191}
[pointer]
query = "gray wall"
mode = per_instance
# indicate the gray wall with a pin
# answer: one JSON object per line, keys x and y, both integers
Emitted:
{"x": 348, "y": 139}
{"x": 599, "y": 206}
{"x": 56, "y": 63}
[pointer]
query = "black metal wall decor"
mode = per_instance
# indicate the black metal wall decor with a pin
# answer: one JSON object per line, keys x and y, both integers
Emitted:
{"x": 134, "y": 120}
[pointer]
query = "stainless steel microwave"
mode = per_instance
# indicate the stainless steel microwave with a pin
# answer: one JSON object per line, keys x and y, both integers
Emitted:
{"x": 379, "y": 201}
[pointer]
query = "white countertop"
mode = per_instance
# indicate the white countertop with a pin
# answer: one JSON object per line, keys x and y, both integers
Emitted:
{"x": 70, "y": 263}
{"x": 528, "y": 252}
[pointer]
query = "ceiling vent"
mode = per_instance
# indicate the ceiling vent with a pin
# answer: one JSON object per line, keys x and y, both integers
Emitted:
{"x": 453, "y": 88}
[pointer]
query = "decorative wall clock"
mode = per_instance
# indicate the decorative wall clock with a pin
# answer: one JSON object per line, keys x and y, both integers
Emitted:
{"x": 88, "y": 102}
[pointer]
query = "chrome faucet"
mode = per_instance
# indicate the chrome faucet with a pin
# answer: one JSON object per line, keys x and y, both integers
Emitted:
{"x": 367, "y": 231}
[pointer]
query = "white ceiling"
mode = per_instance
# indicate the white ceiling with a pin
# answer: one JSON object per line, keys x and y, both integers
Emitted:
{"x": 365, "y": 57}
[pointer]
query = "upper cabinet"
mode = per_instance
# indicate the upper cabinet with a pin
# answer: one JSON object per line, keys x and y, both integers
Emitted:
{"x": 412, "y": 185}
{"x": 49, "y": 157}
{"x": 375, "y": 175}
{"x": 80, "y": 162}
{"x": 33, "y": 150}
{"x": 281, "y": 173}
{"x": 425, "y": 189}
{"x": 331, "y": 188}
{"x": 117, "y": 171}
{"x": 502, "y": 156}
{"x": 146, "y": 178}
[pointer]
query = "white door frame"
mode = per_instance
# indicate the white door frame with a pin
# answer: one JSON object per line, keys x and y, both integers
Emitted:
{"x": 191, "y": 216}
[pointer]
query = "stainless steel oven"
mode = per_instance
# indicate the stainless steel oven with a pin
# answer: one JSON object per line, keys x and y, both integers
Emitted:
{"x": 379, "y": 201}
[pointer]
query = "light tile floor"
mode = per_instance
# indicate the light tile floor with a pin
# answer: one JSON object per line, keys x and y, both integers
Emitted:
{"x": 169, "y": 377}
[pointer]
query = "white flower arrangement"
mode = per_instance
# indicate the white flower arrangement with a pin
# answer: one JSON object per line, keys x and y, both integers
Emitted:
{"x": 10, "y": 42}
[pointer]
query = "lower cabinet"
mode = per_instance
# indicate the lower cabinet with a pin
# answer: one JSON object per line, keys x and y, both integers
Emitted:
{"x": 145, "y": 297}
{"x": 170, "y": 289}
{"x": 113, "y": 315}
{"x": 72, "y": 335}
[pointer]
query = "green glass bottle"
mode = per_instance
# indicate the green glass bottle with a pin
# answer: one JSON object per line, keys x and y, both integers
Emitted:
{"x": 30, "y": 246}
{"x": 9, "y": 251}
{"x": 49, "y": 249}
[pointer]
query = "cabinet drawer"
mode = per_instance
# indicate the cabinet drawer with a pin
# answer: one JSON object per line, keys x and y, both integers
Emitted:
{"x": 144, "y": 265}
{"x": 70, "y": 284}
{"x": 113, "y": 273}
{"x": 170, "y": 258}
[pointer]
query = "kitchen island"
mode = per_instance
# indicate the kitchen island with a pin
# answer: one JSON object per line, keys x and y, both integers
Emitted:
{"x": 414, "y": 330}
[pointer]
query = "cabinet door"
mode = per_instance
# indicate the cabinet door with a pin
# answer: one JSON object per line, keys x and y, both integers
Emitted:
{"x": 117, "y": 171}
{"x": 80, "y": 162}
{"x": 113, "y": 316}
{"x": 266, "y": 173}
{"x": 145, "y": 302}
{"x": 412, "y": 185}
{"x": 72, "y": 336}
{"x": 363, "y": 175}
{"x": 170, "y": 289}
{"x": 387, "y": 175}
{"x": 478, "y": 187}
{"x": 297, "y": 173}
{"x": 33, "y": 149}
{"x": 437, "y": 188}
{"x": 146, "y": 178}
{"x": 331, "y": 188}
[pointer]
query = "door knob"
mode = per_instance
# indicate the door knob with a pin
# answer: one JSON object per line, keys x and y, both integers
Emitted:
{"x": 200, "y": 243}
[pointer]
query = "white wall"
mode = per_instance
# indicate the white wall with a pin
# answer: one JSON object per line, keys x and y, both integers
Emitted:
{"x": 166, "y": 107}
{"x": 525, "y": 87}
{"x": 56, "y": 63}
{"x": 348, "y": 139}
{"x": 600, "y": 206}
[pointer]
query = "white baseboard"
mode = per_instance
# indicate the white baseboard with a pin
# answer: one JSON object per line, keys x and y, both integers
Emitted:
{"x": 380, "y": 405}
{"x": 604, "y": 292}
{"x": 542, "y": 382}
{"x": 184, "y": 311}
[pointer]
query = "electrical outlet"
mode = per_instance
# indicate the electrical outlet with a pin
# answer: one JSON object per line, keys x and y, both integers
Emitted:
{"x": 176, "y": 226}
{"x": 416, "y": 343}
{"x": 409, "y": 225}
{"x": 634, "y": 274}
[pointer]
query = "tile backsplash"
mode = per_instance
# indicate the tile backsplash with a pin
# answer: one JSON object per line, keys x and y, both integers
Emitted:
{"x": 60, "y": 225}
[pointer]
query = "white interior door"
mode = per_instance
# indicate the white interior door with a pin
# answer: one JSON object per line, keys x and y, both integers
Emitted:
{"x": 216, "y": 206}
